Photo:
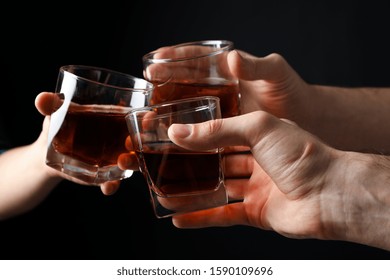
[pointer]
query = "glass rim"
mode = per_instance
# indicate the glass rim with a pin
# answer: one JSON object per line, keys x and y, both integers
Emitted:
{"x": 227, "y": 46}
{"x": 132, "y": 113}
{"x": 67, "y": 68}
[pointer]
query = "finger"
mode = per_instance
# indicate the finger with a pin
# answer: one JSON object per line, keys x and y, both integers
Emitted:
{"x": 109, "y": 188}
{"x": 228, "y": 215}
{"x": 243, "y": 130}
{"x": 179, "y": 52}
{"x": 236, "y": 150}
{"x": 235, "y": 188}
{"x": 182, "y": 62}
{"x": 128, "y": 161}
{"x": 149, "y": 121}
{"x": 238, "y": 165}
{"x": 47, "y": 102}
{"x": 158, "y": 73}
{"x": 128, "y": 144}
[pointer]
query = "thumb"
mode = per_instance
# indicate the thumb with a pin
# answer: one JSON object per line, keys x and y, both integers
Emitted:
{"x": 244, "y": 130}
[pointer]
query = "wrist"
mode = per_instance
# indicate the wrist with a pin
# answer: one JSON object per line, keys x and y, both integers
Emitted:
{"x": 312, "y": 108}
{"x": 361, "y": 211}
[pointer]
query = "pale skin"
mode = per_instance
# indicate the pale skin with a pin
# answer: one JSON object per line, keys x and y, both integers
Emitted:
{"x": 25, "y": 179}
{"x": 305, "y": 177}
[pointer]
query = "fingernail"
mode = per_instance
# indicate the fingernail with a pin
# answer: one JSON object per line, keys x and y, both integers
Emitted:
{"x": 181, "y": 130}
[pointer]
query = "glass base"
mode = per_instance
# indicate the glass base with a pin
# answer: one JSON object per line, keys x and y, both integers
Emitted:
{"x": 90, "y": 174}
{"x": 169, "y": 206}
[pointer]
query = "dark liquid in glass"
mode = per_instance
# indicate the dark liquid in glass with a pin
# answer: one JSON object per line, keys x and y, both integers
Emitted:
{"x": 228, "y": 94}
{"x": 179, "y": 172}
{"x": 96, "y": 138}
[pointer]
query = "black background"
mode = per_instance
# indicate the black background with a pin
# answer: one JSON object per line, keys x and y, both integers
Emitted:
{"x": 345, "y": 44}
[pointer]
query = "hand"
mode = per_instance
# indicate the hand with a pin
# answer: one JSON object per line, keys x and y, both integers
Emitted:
{"x": 45, "y": 102}
{"x": 281, "y": 186}
{"x": 269, "y": 84}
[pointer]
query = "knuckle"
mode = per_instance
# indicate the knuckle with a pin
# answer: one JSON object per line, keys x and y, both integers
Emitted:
{"x": 213, "y": 126}
{"x": 276, "y": 58}
{"x": 263, "y": 118}
{"x": 262, "y": 124}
